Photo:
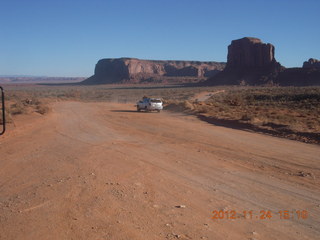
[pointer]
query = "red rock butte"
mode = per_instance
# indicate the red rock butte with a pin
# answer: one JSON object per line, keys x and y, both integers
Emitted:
{"x": 249, "y": 62}
{"x": 250, "y": 52}
{"x": 252, "y": 62}
{"x": 133, "y": 70}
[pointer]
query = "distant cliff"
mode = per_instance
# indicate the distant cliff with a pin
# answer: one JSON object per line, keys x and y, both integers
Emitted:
{"x": 250, "y": 53}
{"x": 312, "y": 64}
{"x": 249, "y": 62}
{"x": 252, "y": 62}
{"x": 132, "y": 70}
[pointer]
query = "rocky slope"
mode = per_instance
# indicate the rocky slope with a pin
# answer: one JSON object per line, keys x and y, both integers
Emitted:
{"x": 312, "y": 64}
{"x": 132, "y": 70}
{"x": 298, "y": 77}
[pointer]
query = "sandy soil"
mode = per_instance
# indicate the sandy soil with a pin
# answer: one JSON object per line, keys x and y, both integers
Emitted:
{"x": 104, "y": 171}
{"x": 205, "y": 95}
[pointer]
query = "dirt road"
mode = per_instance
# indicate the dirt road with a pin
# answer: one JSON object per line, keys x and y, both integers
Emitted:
{"x": 104, "y": 171}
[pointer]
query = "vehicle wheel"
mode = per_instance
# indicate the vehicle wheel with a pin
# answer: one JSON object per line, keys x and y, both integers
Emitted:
{"x": 158, "y": 110}
{"x": 138, "y": 109}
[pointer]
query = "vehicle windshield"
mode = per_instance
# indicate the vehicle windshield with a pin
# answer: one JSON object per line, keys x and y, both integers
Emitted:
{"x": 155, "y": 100}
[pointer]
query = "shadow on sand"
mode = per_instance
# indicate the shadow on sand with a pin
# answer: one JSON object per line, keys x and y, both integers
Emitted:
{"x": 277, "y": 130}
{"x": 125, "y": 111}
{"x": 132, "y": 111}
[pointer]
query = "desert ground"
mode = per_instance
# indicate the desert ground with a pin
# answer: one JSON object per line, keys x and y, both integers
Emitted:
{"x": 101, "y": 170}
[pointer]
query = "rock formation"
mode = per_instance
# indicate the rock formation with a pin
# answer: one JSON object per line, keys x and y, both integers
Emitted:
{"x": 312, "y": 64}
{"x": 132, "y": 70}
{"x": 250, "y": 53}
{"x": 298, "y": 77}
{"x": 250, "y": 62}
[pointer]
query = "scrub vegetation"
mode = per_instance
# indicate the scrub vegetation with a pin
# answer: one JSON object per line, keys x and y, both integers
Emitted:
{"x": 291, "y": 112}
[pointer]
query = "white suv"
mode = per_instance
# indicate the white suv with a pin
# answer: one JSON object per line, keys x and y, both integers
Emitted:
{"x": 150, "y": 104}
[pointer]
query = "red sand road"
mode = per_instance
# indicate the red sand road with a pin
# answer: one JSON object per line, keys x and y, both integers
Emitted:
{"x": 104, "y": 171}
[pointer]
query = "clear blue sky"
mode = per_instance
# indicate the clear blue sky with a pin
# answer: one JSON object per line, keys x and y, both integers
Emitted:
{"x": 68, "y": 37}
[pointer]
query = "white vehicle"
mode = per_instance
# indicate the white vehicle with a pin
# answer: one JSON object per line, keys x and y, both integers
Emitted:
{"x": 150, "y": 104}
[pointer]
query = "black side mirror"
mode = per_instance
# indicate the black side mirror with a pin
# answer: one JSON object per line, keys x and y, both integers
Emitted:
{"x": 3, "y": 113}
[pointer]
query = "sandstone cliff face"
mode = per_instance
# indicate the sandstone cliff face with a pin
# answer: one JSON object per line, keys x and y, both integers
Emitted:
{"x": 132, "y": 70}
{"x": 298, "y": 77}
{"x": 250, "y": 62}
{"x": 250, "y": 53}
{"x": 312, "y": 64}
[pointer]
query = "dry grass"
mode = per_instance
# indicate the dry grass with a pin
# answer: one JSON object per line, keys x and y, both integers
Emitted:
{"x": 282, "y": 109}
{"x": 18, "y": 104}
{"x": 27, "y": 98}
{"x": 293, "y": 108}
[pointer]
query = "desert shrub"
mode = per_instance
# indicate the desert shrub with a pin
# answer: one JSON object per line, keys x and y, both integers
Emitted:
{"x": 296, "y": 107}
{"x": 42, "y": 108}
{"x": 8, "y": 117}
{"x": 188, "y": 105}
{"x": 236, "y": 100}
{"x": 17, "y": 108}
{"x": 203, "y": 109}
{"x": 1, "y": 120}
{"x": 246, "y": 117}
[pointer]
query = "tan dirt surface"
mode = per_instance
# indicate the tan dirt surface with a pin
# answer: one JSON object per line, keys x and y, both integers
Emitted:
{"x": 104, "y": 171}
{"x": 205, "y": 95}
